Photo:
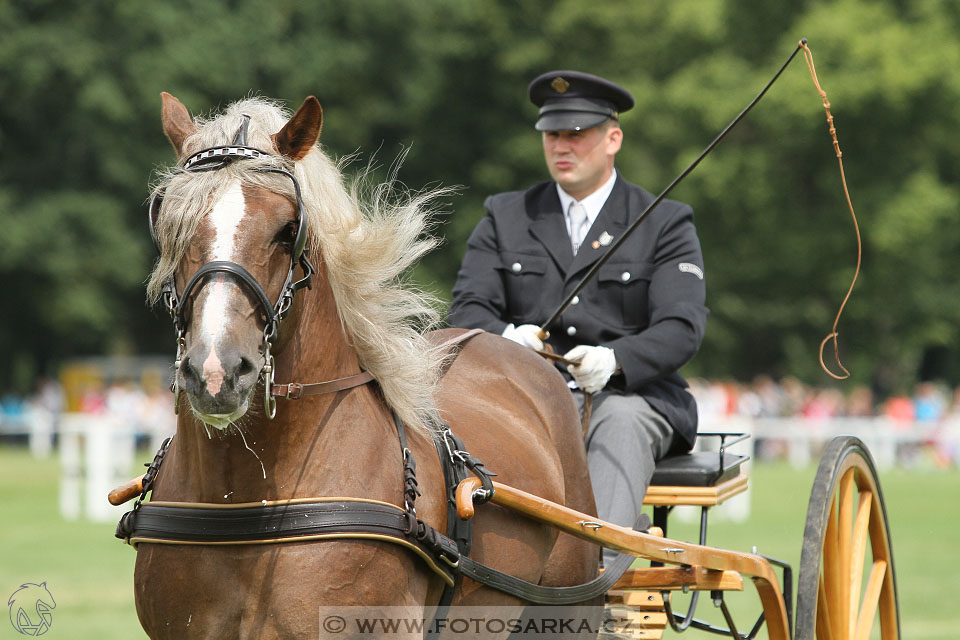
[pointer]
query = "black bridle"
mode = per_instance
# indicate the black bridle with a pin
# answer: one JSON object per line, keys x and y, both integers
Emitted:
{"x": 212, "y": 159}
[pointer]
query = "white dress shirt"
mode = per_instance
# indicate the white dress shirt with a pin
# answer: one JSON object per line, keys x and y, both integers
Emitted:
{"x": 592, "y": 204}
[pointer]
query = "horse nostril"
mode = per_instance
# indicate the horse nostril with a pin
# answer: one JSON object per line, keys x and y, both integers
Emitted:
{"x": 190, "y": 377}
{"x": 245, "y": 368}
{"x": 187, "y": 371}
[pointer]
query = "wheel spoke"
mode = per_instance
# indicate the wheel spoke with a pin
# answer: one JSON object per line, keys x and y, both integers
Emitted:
{"x": 858, "y": 551}
{"x": 882, "y": 551}
{"x": 832, "y": 577}
{"x": 871, "y": 599}
{"x": 823, "y": 615}
{"x": 844, "y": 532}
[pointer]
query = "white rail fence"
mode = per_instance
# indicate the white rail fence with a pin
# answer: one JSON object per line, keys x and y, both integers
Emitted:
{"x": 892, "y": 443}
{"x": 97, "y": 452}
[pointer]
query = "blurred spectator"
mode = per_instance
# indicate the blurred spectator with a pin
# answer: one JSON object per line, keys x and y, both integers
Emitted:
{"x": 860, "y": 403}
{"x": 929, "y": 402}
{"x": 899, "y": 408}
{"x": 11, "y": 404}
{"x": 823, "y": 404}
{"x": 49, "y": 396}
{"x": 93, "y": 400}
{"x": 794, "y": 396}
{"x": 770, "y": 396}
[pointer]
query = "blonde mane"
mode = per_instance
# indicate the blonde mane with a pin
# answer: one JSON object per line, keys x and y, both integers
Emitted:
{"x": 368, "y": 237}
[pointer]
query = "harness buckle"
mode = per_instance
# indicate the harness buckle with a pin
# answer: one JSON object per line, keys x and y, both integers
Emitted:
{"x": 175, "y": 383}
{"x": 294, "y": 391}
{"x": 453, "y": 451}
{"x": 283, "y": 305}
{"x": 453, "y": 564}
{"x": 269, "y": 402}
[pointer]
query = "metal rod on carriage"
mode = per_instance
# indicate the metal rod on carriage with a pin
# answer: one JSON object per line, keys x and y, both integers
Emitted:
{"x": 663, "y": 194}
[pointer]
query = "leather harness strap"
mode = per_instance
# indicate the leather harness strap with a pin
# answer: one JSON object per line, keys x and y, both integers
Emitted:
{"x": 295, "y": 390}
{"x": 455, "y": 341}
{"x": 288, "y": 521}
{"x": 244, "y": 276}
{"x": 539, "y": 594}
{"x": 200, "y": 522}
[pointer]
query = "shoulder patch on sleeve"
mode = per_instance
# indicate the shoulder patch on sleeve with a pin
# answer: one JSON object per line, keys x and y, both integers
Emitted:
{"x": 688, "y": 267}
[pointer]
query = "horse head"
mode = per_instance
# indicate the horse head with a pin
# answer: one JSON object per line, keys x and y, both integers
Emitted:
{"x": 231, "y": 217}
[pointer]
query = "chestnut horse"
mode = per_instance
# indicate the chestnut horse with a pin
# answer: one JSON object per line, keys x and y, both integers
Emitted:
{"x": 512, "y": 410}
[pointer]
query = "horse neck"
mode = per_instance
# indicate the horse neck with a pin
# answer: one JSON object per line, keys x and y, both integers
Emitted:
{"x": 314, "y": 346}
{"x": 312, "y": 439}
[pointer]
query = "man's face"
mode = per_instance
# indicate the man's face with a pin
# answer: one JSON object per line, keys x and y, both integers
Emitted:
{"x": 581, "y": 161}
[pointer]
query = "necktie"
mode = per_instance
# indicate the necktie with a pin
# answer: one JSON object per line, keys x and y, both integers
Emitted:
{"x": 578, "y": 225}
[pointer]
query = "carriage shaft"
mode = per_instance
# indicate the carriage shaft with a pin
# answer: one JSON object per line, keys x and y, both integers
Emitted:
{"x": 672, "y": 578}
{"x": 640, "y": 544}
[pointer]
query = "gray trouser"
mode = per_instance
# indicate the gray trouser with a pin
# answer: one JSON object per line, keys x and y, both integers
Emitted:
{"x": 624, "y": 440}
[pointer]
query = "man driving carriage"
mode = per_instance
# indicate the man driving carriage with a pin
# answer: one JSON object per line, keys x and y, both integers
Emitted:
{"x": 632, "y": 327}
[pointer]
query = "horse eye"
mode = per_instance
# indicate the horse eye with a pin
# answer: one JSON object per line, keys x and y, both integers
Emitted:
{"x": 287, "y": 234}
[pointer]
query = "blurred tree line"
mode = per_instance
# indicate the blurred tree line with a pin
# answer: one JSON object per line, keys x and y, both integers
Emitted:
{"x": 80, "y": 137}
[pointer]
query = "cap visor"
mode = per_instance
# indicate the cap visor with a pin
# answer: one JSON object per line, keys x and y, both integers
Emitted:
{"x": 569, "y": 121}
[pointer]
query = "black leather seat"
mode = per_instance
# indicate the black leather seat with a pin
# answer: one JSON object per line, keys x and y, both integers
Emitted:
{"x": 697, "y": 469}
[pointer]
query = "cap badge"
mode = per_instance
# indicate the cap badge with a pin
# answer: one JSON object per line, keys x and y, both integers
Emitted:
{"x": 560, "y": 85}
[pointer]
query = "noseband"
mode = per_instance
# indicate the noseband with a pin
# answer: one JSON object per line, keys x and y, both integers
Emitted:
{"x": 210, "y": 160}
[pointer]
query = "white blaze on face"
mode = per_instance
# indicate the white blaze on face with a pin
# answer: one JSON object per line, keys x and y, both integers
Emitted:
{"x": 225, "y": 218}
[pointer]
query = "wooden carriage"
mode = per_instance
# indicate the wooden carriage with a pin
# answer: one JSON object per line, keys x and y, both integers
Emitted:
{"x": 841, "y": 591}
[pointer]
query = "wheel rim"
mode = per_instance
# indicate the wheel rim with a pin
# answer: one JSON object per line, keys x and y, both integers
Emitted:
{"x": 847, "y": 585}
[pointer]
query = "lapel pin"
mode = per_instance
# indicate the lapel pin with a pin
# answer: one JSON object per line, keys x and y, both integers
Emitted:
{"x": 604, "y": 240}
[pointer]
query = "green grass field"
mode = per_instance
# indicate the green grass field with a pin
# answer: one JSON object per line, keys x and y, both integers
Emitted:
{"x": 90, "y": 573}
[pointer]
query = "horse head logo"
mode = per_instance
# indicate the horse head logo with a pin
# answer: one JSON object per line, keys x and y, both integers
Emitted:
{"x": 30, "y": 609}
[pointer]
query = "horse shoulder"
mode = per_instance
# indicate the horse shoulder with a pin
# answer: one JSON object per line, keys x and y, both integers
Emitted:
{"x": 513, "y": 411}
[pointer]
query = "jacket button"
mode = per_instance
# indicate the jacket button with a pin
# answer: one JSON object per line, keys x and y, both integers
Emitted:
{"x": 571, "y": 331}
{"x": 576, "y": 300}
{"x": 625, "y": 276}
{"x": 516, "y": 267}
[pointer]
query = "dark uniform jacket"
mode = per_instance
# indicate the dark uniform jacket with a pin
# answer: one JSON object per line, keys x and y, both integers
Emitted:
{"x": 646, "y": 303}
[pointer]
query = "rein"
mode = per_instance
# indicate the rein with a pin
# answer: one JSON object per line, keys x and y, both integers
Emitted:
{"x": 548, "y": 354}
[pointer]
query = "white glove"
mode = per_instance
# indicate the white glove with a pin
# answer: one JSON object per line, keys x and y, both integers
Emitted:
{"x": 526, "y": 334}
{"x": 594, "y": 366}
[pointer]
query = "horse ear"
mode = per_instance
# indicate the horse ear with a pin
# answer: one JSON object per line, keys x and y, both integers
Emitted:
{"x": 300, "y": 134}
{"x": 177, "y": 123}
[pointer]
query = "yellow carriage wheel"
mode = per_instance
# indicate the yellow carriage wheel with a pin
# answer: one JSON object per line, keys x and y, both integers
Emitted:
{"x": 847, "y": 588}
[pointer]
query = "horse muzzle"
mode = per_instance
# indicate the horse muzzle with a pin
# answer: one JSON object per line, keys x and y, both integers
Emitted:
{"x": 218, "y": 386}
